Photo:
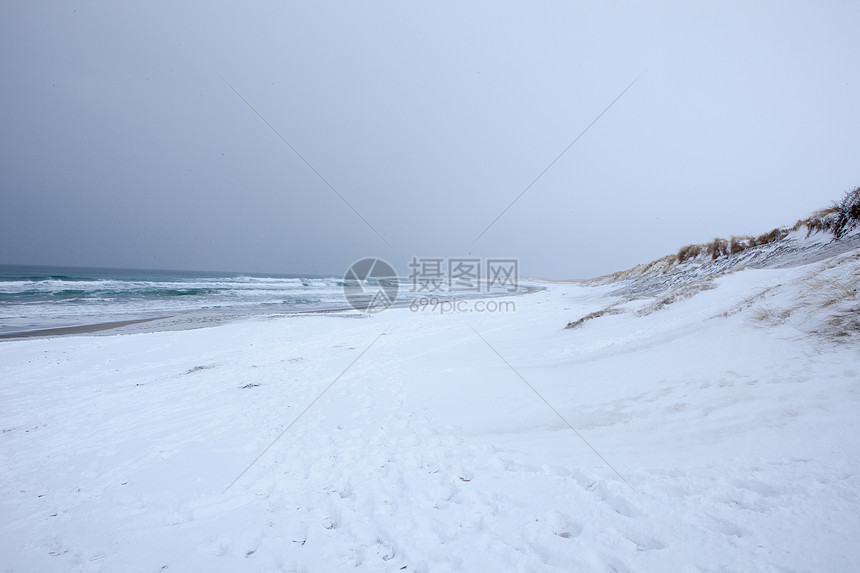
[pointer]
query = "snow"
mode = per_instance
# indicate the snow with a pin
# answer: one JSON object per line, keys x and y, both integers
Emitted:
{"x": 725, "y": 420}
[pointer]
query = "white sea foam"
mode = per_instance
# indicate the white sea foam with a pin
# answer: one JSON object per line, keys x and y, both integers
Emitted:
{"x": 87, "y": 296}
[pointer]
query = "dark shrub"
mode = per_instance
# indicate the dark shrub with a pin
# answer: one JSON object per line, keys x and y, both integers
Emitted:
{"x": 848, "y": 214}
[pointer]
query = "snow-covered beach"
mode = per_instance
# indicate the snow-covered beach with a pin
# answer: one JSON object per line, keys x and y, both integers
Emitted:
{"x": 712, "y": 430}
{"x": 429, "y": 287}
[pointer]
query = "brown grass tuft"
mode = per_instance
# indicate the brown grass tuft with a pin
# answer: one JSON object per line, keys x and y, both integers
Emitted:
{"x": 717, "y": 248}
{"x": 688, "y": 252}
{"x": 738, "y": 244}
{"x": 771, "y": 237}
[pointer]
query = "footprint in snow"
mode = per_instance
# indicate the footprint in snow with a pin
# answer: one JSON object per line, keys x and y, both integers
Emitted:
{"x": 561, "y": 524}
{"x": 645, "y": 542}
{"x": 385, "y": 551}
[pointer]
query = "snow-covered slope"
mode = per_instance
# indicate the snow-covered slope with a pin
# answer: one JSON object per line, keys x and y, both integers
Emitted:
{"x": 708, "y": 422}
{"x": 826, "y": 293}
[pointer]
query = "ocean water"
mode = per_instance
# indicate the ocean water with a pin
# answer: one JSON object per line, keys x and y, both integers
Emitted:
{"x": 33, "y": 298}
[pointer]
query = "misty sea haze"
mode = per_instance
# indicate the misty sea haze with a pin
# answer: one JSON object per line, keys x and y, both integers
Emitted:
{"x": 38, "y": 297}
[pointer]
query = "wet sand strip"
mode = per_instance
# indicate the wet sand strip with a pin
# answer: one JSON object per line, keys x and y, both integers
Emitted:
{"x": 84, "y": 329}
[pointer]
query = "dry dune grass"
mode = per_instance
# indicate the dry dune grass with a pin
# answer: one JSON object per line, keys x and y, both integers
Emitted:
{"x": 722, "y": 247}
{"x": 592, "y": 316}
{"x": 818, "y": 221}
{"x": 825, "y": 302}
{"x": 837, "y": 219}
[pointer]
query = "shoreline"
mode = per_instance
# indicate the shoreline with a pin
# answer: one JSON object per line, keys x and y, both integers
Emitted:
{"x": 201, "y": 319}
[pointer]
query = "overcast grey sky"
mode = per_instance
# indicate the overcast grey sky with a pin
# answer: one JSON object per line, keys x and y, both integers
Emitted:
{"x": 120, "y": 145}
